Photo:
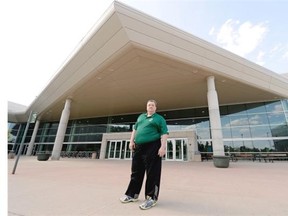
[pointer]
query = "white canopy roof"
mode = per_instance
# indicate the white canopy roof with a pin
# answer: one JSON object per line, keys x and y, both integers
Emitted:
{"x": 130, "y": 57}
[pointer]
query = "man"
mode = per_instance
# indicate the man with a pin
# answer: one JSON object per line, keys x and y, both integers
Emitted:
{"x": 148, "y": 142}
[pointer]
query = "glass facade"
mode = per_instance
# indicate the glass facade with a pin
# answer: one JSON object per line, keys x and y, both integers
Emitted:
{"x": 252, "y": 127}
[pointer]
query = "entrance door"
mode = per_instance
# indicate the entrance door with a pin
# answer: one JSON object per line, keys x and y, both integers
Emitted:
{"x": 119, "y": 149}
{"x": 115, "y": 149}
{"x": 176, "y": 149}
{"x": 127, "y": 152}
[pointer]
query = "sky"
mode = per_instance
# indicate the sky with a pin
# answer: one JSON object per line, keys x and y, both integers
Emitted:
{"x": 38, "y": 36}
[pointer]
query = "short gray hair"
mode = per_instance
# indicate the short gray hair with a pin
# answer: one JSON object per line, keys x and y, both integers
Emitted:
{"x": 152, "y": 100}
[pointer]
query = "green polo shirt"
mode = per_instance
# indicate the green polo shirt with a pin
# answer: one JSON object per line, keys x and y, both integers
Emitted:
{"x": 149, "y": 129}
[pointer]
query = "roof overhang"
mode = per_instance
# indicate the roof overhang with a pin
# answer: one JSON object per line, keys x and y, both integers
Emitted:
{"x": 130, "y": 57}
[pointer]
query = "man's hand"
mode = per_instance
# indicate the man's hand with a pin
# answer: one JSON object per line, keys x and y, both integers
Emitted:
{"x": 162, "y": 151}
{"x": 132, "y": 146}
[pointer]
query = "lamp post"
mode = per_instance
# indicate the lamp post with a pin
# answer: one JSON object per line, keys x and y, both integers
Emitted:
{"x": 243, "y": 146}
{"x": 269, "y": 141}
{"x": 31, "y": 119}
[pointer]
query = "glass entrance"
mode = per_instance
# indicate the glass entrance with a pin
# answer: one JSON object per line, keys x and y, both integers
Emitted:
{"x": 119, "y": 149}
{"x": 176, "y": 149}
{"x": 127, "y": 152}
{"x": 114, "y": 151}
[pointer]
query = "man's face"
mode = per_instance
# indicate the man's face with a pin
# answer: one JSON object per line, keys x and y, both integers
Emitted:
{"x": 151, "y": 107}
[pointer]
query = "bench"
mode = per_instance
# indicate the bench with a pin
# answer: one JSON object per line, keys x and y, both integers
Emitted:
{"x": 259, "y": 156}
{"x": 270, "y": 157}
{"x": 206, "y": 156}
{"x": 243, "y": 156}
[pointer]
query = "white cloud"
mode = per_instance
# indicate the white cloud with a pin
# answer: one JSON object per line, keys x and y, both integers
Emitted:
{"x": 241, "y": 39}
{"x": 277, "y": 108}
{"x": 255, "y": 120}
{"x": 260, "y": 58}
{"x": 239, "y": 122}
{"x": 277, "y": 50}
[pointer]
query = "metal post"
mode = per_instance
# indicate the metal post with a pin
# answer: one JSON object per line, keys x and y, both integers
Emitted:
{"x": 22, "y": 143}
{"x": 14, "y": 145}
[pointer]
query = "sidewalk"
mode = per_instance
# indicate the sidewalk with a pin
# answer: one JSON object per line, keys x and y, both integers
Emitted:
{"x": 88, "y": 187}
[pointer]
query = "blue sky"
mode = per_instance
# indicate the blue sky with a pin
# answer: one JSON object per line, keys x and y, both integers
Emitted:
{"x": 40, "y": 35}
{"x": 256, "y": 30}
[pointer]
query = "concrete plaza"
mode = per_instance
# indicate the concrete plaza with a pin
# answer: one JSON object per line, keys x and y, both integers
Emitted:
{"x": 88, "y": 187}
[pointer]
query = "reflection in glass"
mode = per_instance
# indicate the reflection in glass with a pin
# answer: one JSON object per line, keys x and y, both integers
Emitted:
{"x": 279, "y": 130}
{"x": 264, "y": 145}
{"x": 228, "y": 146}
{"x": 240, "y": 132}
{"x": 225, "y": 121}
{"x": 244, "y": 146}
{"x": 239, "y": 120}
{"x": 256, "y": 108}
{"x": 205, "y": 146}
{"x": 281, "y": 145}
{"x": 274, "y": 107}
{"x": 285, "y": 104}
{"x": 260, "y": 131}
{"x": 277, "y": 118}
{"x": 267, "y": 121}
{"x": 226, "y": 132}
{"x": 203, "y": 134}
{"x": 237, "y": 145}
{"x": 202, "y": 123}
{"x": 258, "y": 119}
{"x": 183, "y": 124}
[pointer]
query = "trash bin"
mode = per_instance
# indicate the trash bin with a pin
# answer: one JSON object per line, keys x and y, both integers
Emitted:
{"x": 94, "y": 154}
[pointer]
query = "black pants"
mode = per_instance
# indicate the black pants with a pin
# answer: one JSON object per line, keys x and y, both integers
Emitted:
{"x": 145, "y": 160}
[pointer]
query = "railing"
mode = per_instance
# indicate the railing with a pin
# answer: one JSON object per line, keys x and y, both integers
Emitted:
{"x": 73, "y": 154}
{"x": 77, "y": 154}
{"x": 260, "y": 156}
{"x": 252, "y": 156}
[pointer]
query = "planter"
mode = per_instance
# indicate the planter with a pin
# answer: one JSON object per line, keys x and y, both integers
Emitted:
{"x": 221, "y": 161}
{"x": 43, "y": 156}
{"x": 11, "y": 155}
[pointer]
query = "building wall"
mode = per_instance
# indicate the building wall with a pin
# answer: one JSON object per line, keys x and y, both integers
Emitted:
{"x": 251, "y": 127}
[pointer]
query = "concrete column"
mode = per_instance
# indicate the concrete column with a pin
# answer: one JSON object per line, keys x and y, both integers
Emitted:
{"x": 214, "y": 115}
{"x": 61, "y": 131}
{"x": 103, "y": 147}
{"x": 32, "y": 141}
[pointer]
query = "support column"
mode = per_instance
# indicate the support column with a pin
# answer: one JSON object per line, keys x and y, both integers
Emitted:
{"x": 214, "y": 115}
{"x": 61, "y": 131}
{"x": 32, "y": 141}
{"x": 103, "y": 149}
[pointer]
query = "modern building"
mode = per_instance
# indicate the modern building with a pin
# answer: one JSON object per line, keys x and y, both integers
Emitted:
{"x": 213, "y": 100}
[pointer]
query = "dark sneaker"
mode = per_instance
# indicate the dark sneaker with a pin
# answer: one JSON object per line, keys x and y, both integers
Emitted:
{"x": 127, "y": 199}
{"x": 148, "y": 203}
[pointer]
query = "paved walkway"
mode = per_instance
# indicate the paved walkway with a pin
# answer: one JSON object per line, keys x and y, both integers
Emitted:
{"x": 86, "y": 187}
